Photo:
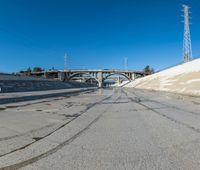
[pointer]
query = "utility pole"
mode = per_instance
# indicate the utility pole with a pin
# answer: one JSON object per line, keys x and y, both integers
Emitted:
{"x": 187, "y": 45}
{"x": 65, "y": 62}
{"x": 126, "y": 64}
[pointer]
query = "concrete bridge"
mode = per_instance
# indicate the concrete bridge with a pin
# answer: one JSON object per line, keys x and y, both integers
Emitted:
{"x": 99, "y": 75}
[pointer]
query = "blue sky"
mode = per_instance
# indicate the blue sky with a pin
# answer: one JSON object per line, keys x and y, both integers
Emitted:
{"x": 94, "y": 33}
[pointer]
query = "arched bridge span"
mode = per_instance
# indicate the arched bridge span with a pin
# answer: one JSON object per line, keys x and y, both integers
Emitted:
{"x": 98, "y": 75}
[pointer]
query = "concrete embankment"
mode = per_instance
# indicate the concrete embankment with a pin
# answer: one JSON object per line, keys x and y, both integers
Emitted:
{"x": 7, "y": 98}
{"x": 183, "y": 78}
{"x": 10, "y": 83}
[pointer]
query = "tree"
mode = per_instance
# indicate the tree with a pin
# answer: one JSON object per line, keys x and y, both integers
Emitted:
{"x": 52, "y": 69}
{"x": 148, "y": 70}
{"x": 28, "y": 70}
{"x": 22, "y": 71}
{"x": 152, "y": 70}
{"x": 37, "y": 69}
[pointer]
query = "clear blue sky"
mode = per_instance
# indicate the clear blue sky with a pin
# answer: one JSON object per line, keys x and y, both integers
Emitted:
{"x": 94, "y": 33}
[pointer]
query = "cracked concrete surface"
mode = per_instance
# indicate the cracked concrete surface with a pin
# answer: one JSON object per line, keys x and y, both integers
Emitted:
{"x": 104, "y": 129}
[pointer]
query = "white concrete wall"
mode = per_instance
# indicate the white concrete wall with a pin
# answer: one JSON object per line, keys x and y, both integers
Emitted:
{"x": 184, "y": 78}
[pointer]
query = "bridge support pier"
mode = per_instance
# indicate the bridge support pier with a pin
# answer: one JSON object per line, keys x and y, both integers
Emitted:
{"x": 100, "y": 79}
{"x": 61, "y": 76}
{"x": 119, "y": 80}
{"x": 100, "y": 84}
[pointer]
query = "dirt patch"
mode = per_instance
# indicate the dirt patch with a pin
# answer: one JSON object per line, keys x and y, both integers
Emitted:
{"x": 2, "y": 108}
{"x": 39, "y": 110}
{"x": 37, "y": 138}
{"x": 11, "y": 107}
{"x": 71, "y": 116}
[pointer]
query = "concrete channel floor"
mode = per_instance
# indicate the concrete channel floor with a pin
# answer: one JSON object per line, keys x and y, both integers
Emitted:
{"x": 103, "y": 129}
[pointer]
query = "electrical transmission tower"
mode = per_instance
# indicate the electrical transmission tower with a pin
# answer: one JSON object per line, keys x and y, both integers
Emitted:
{"x": 65, "y": 62}
{"x": 125, "y": 63}
{"x": 187, "y": 45}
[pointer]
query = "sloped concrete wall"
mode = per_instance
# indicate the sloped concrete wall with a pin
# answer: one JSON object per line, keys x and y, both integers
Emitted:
{"x": 183, "y": 78}
{"x": 11, "y": 83}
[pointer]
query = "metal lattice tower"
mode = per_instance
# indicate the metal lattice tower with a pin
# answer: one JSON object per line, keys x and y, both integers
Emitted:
{"x": 187, "y": 45}
{"x": 125, "y": 63}
{"x": 65, "y": 62}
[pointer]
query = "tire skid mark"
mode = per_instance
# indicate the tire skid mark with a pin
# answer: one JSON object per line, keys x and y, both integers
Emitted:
{"x": 63, "y": 125}
{"x": 26, "y": 134}
{"x": 169, "y": 106}
{"x": 37, "y": 158}
{"x": 28, "y": 104}
{"x": 163, "y": 115}
{"x": 77, "y": 93}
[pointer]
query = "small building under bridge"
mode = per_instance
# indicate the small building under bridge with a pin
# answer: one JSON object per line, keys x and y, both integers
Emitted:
{"x": 99, "y": 76}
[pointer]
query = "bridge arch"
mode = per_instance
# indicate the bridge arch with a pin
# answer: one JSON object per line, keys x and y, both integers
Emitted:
{"x": 124, "y": 75}
{"x": 79, "y": 74}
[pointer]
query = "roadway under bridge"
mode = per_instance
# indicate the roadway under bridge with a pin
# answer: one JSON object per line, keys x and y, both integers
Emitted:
{"x": 98, "y": 75}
